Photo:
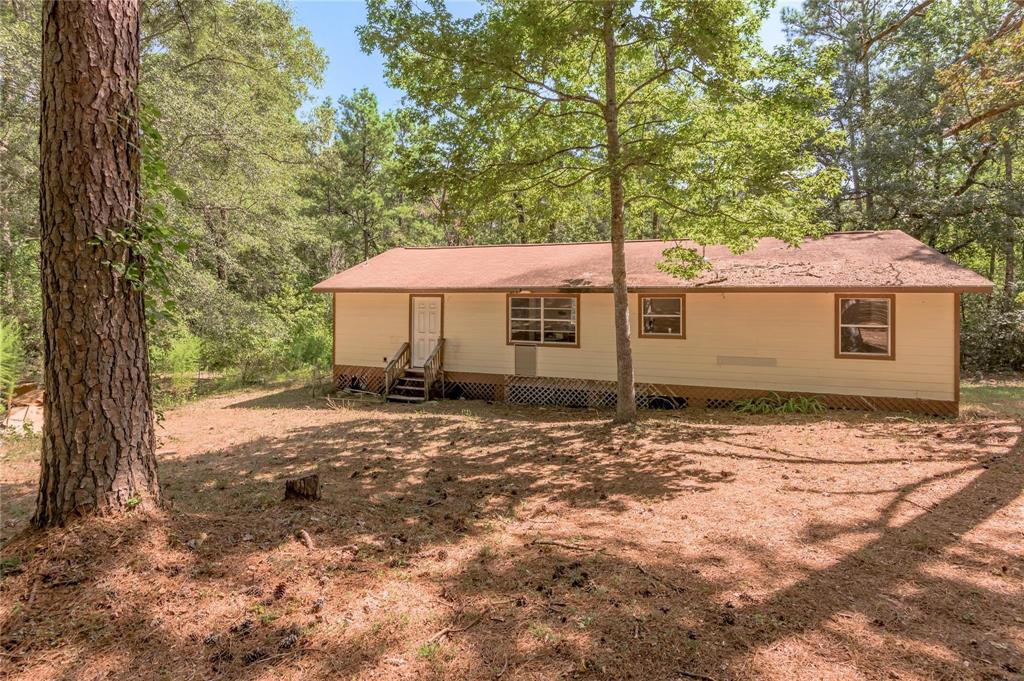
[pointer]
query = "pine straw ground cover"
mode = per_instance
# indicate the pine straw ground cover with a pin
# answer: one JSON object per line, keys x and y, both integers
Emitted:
{"x": 473, "y": 541}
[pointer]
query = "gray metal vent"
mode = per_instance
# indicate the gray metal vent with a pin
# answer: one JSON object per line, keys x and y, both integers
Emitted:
{"x": 526, "y": 360}
{"x": 734, "y": 360}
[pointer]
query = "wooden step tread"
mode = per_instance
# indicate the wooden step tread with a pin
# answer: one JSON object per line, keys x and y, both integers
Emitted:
{"x": 406, "y": 398}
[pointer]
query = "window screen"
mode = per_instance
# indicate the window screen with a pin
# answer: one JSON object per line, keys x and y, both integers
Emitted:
{"x": 543, "y": 320}
{"x": 661, "y": 316}
{"x": 865, "y": 327}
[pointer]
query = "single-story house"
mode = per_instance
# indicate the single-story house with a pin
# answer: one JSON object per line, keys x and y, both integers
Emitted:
{"x": 862, "y": 320}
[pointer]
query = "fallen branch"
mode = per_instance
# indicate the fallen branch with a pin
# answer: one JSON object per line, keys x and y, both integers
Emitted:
{"x": 288, "y": 653}
{"x": 504, "y": 668}
{"x": 571, "y": 547}
{"x": 659, "y": 578}
{"x": 448, "y": 631}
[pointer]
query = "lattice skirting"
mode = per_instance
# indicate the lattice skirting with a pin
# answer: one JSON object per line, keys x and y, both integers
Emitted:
{"x": 573, "y": 392}
{"x": 723, "y": 398}
{"x": 475, "y": 390}
{"x": 370, "y": 379}
{"x": 578, "y": 392}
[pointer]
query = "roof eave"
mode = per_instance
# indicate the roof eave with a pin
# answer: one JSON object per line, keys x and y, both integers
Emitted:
{"x": 320, "y": 288}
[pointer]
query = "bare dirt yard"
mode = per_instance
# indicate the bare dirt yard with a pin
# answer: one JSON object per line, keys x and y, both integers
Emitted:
{"x": 461, "y": 540}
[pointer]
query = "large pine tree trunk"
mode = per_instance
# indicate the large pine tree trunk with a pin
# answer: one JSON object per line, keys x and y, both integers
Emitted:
{"x": 98, "y": 440}
{"x": 625, "y": 410}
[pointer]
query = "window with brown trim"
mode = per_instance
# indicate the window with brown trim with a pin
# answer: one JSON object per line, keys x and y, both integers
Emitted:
{"x": 543, "y": 320}
{"x": 662, "y": 316}
{"x": 864, "y": 326}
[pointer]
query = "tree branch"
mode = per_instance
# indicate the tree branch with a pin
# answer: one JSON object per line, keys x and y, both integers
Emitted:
{"x": 992, "y": 112}
{"x": 916, "y": 10}
{"x": 226, "y": 60}
{"x": 972, "y": 172}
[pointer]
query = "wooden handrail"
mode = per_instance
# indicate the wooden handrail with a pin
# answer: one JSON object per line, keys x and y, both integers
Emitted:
{"x": 396, "y": 367}
{"x": 433, "y": 370}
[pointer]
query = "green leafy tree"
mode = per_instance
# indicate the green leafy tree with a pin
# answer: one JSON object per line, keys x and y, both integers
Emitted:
{"x": 19, "y": 172}
{"x": 354, "y": 182}
{"x": 905, "y": 84}
{"x": 220, "y": 85}
{"x": 985, "y": 77}
{"x": 669, "y": 105}
{"x": 228, "y": 78}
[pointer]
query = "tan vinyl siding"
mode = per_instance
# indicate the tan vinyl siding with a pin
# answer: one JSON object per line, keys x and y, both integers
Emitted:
{"x": 474, "y": 329}
{"x": 797, "y": 331}
{"x": 768, "y": 341}
{"x": 369, "y": 327}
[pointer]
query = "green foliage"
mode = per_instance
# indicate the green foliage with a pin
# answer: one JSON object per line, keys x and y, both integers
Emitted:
{"x": 10, "y": 565}
{"x": 992, "y": 337}
{"x": 308, "y": 343}
{"x": 12, "y": 357}
{"x": 148, "y": 245}
{"x": 683, "y": 262}
{"x": 179, "y": 359}
{"x": 1001, "y": 395}
{"x": 247, "y": 203}
{"x": 895, "y": 106}
{"x": 776, "y": 404}
{"x": 354, "y": 187}
{"x": 221, "y": 229}
{"x": 19, "y": 174}
{"x": 984, "y": 85}
{"x": 715, "y": 133}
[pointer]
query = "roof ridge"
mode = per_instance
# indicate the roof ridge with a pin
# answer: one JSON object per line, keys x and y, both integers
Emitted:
{"x": 593, "y": 243}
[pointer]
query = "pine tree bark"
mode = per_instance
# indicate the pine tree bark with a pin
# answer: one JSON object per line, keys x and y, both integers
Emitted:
{"x": 98, "y": 440}
{"x": 625, "y": 409}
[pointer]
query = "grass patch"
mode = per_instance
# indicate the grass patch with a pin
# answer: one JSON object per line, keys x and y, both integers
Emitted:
{"x": 20, "y": 447}
{"x": 175, "y": 390}
{"x": 428, "y": 650}
{"x": 999, "y": 395}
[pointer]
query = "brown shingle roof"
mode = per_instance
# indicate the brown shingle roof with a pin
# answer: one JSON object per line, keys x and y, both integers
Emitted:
{"x": 841, "y": 261}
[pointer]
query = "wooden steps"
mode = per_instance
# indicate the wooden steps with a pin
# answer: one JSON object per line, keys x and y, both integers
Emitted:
{"x": 409, "y": 387}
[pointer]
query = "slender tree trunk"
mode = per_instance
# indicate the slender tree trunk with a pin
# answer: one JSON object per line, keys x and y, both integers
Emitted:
{"x": 7, "y": 236}
{"x": 858, "y": 197}
{"x": 521, "y": 220}
{"x": 625, "y": 410}
{"x": 865, "y": 114}
{"x": 98, "y": 439}
{"x": 1010, "y": 241}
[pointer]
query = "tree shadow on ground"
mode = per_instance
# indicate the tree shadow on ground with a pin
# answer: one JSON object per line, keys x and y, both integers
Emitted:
{"x": 489, "y": 545}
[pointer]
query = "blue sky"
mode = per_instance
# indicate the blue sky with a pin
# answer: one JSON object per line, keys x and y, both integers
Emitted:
{"x": 333, "y": 24}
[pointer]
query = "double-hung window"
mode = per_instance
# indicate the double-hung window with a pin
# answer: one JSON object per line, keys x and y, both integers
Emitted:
{"x": 865, "y": 326}
{"x": 543, "y": 320}
{"x": 662, "y": 316}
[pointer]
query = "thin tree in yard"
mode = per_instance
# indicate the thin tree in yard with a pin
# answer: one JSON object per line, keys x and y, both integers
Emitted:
{"x": 98, "y": 440}
{"x": 670, "y": 105}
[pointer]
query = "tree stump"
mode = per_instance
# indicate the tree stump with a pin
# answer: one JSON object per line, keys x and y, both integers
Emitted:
{"x": 307, "y": 487}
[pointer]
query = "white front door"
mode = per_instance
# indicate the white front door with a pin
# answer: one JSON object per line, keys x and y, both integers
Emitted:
{"x": 426, "y": 327}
